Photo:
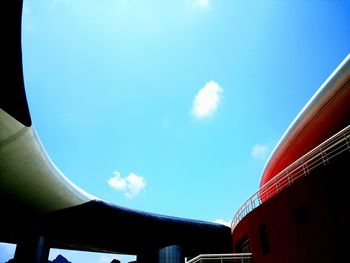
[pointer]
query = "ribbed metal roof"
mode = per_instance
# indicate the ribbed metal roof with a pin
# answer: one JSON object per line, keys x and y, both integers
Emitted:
{"x": 102, "y": 226}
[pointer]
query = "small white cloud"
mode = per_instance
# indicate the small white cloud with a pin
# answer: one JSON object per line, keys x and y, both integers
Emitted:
{"x": 201, "y": 3}
{"x": 222, "y": 222}
{"x": 207, "y": 100}
{"x": 117, "y": 182}
{"x": 259, "y": 151}
{"x": 135, "y": 184}
{"x": 131, "y": 185}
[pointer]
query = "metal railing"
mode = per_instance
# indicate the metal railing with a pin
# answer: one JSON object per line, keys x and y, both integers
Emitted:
{"x": 321, "y": 154}
{"x": 222, "y": 258}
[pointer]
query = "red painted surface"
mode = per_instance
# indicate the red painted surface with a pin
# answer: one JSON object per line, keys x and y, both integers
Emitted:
{"x": 326, "y": 119}
{"x": 325, "y": 234}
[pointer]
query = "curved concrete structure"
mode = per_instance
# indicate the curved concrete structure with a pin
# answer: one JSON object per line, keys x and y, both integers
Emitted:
{"x": 326, "y": 113}
{"x": 41, "y": 208}
{"x": 27, "y": 170}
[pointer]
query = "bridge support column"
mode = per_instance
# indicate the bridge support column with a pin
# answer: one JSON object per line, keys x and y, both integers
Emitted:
{"x": 171, "y": 254}
{"x": 32, "y": 249}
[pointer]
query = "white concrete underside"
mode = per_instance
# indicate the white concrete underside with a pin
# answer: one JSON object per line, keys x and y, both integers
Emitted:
{"x": 27, "y": 171}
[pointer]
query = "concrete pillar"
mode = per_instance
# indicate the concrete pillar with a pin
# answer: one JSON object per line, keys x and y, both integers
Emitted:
{"x": 171, "y": 254}
{"x": 32, "y": 249}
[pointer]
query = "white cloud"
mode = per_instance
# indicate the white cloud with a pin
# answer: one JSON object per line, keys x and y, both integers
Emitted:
{"x": 259, "y": 151}
{"x": 201, "y": 3}
{"x": 131, "y": 185}
{"x": 207, "y": 100}
{"x": 222, "y": 222}
{"x": 117, "y": 182}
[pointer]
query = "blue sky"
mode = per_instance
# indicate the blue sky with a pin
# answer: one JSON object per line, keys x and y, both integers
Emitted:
{"x": 173, "y": 107}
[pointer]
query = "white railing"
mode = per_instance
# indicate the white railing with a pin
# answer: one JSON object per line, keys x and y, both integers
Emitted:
{"x": 321, "y": 154}
{"x": 222, "y": 258}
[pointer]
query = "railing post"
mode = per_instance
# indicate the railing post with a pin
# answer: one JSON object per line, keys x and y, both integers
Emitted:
{"x": 324, "y": 157}
{"x": 347, "y": 139}
{"x": 305, "y": 170}
{"x": 289, "y": 182}
{"x": 276, "y": 185}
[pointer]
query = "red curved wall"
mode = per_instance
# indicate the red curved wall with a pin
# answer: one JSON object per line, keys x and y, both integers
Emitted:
{"x": 306, "y": 222}
{"x": 331, "y": 118}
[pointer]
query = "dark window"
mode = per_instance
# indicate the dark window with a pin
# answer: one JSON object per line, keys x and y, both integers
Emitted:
{"x": 301, "y": 216}
{"x": 264, "y": 239}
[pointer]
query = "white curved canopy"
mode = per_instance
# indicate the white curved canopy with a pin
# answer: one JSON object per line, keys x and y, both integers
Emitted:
{"x": 27, "y": 170}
